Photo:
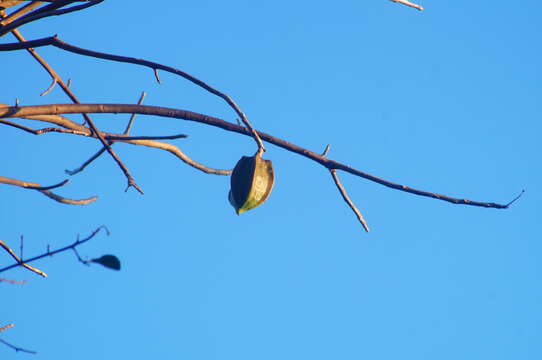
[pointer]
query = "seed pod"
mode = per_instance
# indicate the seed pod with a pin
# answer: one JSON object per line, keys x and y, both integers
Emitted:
{"x": 252, "y": 180}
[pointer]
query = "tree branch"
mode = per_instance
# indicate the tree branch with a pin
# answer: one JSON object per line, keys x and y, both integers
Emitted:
{"x": 408, "y": 3}
{"x": 78, "y": 129}
{"x": 71, "y": 95}
{"x": 13, "y": 111}
{"x": 45, "y": 191}
{"x": 55, "y": 41}
{"x": 347, "y": 199}
{"x": 16, "y": 348}
{"x": 20, "y": 262}
{"x": 72, "y": 246}
{"x": 8, "y": 326}
{"x": 46, "y": 11}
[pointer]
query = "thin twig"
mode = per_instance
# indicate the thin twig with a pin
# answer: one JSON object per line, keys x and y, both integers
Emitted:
{"x": 44, "y": 130}
{"x": 8, "y": 326}
{"x": 408, "y": 3}
{"x": 21, "y": 255}
{"x": 50, "y": 194}
{"x": 13, "y": 282}
{"x": 8, "y": 112}
{"x": 19, "y": 261}
{"x": 516, "y": 198}
{"x": 157, "y": 76}
{"x": 62, "y": 183}
{"x": 53, "y": 83}
{"x": 326, "y": 150}
{"x": 79, "y": 258}
{"x": 78, "y": 242}
{"x": 86, "y": 163}
{"x": 16, "y": 348}
{"x": 133, "y": 116}
{"x": 346, "y": 198}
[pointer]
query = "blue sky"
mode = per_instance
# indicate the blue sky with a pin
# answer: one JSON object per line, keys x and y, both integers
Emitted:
{"x": 445, "y": 100}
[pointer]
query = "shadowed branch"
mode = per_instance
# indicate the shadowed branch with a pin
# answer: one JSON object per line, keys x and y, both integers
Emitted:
{"x": 78, "y": 242}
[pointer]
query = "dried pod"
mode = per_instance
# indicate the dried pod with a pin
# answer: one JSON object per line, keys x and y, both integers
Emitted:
{"x": 252, "y": 180}
{"x": 109, "y": 261}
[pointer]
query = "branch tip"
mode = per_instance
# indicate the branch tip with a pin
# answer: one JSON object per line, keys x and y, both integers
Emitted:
{"x": 328, "y": 146}
{"x": 347, "y": 199}
{"x": 53, "y": 83}
{"x": 157, "y": 76}
{"x": 515, "y": 199}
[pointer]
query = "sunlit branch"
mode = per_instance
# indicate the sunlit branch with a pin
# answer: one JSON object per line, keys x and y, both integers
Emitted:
{"x": 5, "y": 327}
{"x": 20, "y": 262}
{"x": 57, "y": 79}
{"x": 45, "y": 191}
{"x": 45, "y": 12}
{"x": 408, "y": 3}
{"x": 9, "y": 112}
{"x": 55, "y": 41}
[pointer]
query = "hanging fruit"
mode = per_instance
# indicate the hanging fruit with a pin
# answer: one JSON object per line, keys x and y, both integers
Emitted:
{"x": 251, "y": 181}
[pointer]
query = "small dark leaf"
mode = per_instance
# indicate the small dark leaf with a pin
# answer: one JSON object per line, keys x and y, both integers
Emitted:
{"x": 109, "y": 261}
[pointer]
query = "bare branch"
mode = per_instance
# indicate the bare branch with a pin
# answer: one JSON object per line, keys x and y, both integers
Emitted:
{"x": 45, "y": 12}
{"x": 13, "y": 282}
{"x": 54, "y": 41}
{"x": 71, "y": 95}
{"x": 62, "y": 183}
{"x": 408, "y": 3}
{"x": 20, "y": 12}
{"x": 45, "y": 191}
{"x": 53, "y": 83}
{"x": 346, "y": 198}
{"x": 16, "y": 348}
{"x": 19, "y": 261}
{"x": 86, "y": 163}
{"x": 77, "y": 129}
{"x": 78, "y": 242}
{"x": 133, "y": 116}
{"x": 157, "y": 76}
{"x": 8, "y": 326}
{"x": 9, "y": 112}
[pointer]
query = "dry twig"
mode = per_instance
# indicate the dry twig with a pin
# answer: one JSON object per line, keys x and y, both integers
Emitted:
{"x": 20, "y": 262}
{"x": 45, "y": 190}
{"x": 6, "y": 327}
{"x": 408, "y": 3}
{"x": 16, "y": 348}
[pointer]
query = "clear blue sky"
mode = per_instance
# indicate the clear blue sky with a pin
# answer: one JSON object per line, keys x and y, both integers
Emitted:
{"x": 446, "y": 100}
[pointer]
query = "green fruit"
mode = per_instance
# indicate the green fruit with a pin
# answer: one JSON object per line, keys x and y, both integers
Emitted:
{"x": 252, "y": 180}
